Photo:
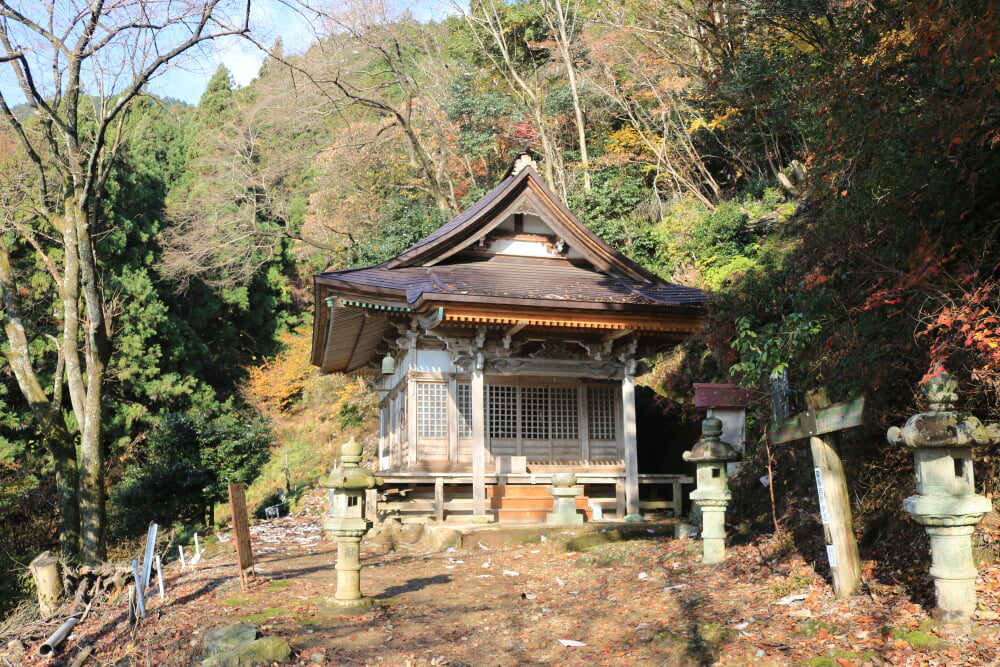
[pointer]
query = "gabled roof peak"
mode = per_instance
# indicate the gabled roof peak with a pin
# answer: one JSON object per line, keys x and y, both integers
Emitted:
{"x": 523, "y": 160}
{"x": 521, "y": 189}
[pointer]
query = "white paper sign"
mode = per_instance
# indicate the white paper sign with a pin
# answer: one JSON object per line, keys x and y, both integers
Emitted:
{"x": 822, "y": 497}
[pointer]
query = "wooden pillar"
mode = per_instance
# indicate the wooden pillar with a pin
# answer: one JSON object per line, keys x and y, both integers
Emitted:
{"x": 630, "y": 443}
{"x": 439, "y": 498}
{"x": 453, "y": 420}
{"x": 835, "y": 506}
{"x": 411, "y": 421}
{"x": 677, "y": 499}
{"x": 478, "y": 441}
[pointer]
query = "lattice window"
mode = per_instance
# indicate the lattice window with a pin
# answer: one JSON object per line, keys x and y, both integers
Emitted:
{"x": 502, "y": 401}
{"x": 432, "y": 410}
{"x": 464, "y": 400}
{"x": 563, "y": 413}
{"x": 601, "y": 420}
{"x": 535, "y": 413}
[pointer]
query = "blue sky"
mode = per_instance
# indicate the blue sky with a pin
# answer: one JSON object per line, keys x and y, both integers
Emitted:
{"x": 186, "y": 80}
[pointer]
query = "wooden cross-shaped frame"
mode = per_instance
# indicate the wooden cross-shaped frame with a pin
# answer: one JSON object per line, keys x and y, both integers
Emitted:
{"x": 819, "y": 424}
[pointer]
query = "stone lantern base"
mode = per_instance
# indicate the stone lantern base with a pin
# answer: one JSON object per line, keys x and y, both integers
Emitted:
{"x": 348, "y": 598}
{"x": 713, "y": 518}
{"x": 333, "y": 607}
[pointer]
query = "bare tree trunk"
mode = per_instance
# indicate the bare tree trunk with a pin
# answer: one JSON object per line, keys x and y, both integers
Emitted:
{"x": 490, "y": 20}
{"x": 561, "y": 20}
{"x": 97, "y": 351}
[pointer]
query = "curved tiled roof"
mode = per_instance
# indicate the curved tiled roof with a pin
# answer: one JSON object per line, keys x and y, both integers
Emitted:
{"x": 550, "y": 285}
{"x": 599, "y": 287}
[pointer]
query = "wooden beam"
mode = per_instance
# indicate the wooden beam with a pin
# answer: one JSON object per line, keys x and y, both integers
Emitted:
{"x": 517, "y": 327}
{"x": 411, "y": 419}
{"x": 661, "y": 324}
{"x": 835, "y": 505}
{"x": 453, "y": 419}
{"x": 828, "y": 419}
{"x": 621, "y": 333}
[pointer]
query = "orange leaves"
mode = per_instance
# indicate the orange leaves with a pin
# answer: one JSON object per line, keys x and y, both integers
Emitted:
{"x": 925, "y": 263}
{"x": 969, "y": 325}
{"x": 814, "y": 278}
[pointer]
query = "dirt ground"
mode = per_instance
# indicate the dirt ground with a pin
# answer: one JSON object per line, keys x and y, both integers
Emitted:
{"x": 521, "y": 598}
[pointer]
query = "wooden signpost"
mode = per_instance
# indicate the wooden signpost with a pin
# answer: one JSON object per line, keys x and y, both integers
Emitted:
{"x": 241, "y": 532}
{"x": 820, "y": 423}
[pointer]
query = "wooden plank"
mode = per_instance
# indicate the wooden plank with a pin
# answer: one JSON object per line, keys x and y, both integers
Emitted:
{"x": 839, "y": 416}
{"x": 656, "y": 504}
{"x": 241, "y": 531}
{"x": 816, "y": 422}
{"x": 835, "y": 505}
{"x": 795, "y": 428}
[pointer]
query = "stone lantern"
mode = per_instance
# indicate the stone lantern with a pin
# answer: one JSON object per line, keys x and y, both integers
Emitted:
{"x": 348, "y": 524}
{"x": 564, "y": 495}
{"x": 946, "y": 504}
{"x": 711, "y": 455}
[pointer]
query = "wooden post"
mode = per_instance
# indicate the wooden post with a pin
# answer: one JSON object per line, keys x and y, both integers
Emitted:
{"x": 835, "y": 505}
{"x": 439, "y": 499}
{"x": 48, "y": 582}
{"x": 241, "y": 532}
{"x": 478, "y": 442}
{"x": 630, "y": 444}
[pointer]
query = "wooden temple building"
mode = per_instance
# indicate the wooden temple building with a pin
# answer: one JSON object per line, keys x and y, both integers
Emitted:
{"x": 507, "y": 343}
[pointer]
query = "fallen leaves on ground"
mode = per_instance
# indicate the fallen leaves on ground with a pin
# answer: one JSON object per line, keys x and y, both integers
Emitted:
{"x": 503, "y": 602}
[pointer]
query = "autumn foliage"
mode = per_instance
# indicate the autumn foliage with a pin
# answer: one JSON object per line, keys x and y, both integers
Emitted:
{"x": 277, "y": 383}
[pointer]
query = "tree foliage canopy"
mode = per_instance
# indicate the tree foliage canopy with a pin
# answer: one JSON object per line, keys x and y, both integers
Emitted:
{"x": 828, "y": 170}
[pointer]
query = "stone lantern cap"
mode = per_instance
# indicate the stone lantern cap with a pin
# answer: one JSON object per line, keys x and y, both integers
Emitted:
{"x": 941, "y": 426}
{"x": 349, "y": 475}
{"x": 710, "y": 447}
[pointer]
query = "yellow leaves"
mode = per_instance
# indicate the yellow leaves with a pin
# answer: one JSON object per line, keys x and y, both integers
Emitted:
{"x": 276, "y": 383}
{"x": 718, "y": 122}
{"x": 627, "y": 140}
{"x": 674, "y": 83}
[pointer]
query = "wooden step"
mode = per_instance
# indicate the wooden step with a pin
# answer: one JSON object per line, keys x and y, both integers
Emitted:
{"x": 523, "y": 503}
{"x": 522, "y": 515}
{"x": 518, "y": 490}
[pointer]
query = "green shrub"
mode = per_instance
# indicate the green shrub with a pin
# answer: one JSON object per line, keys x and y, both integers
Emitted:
{"x": 189, "y": 463}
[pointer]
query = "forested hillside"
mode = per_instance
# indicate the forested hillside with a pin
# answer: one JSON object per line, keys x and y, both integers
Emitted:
{"x": 828, "y": 170}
